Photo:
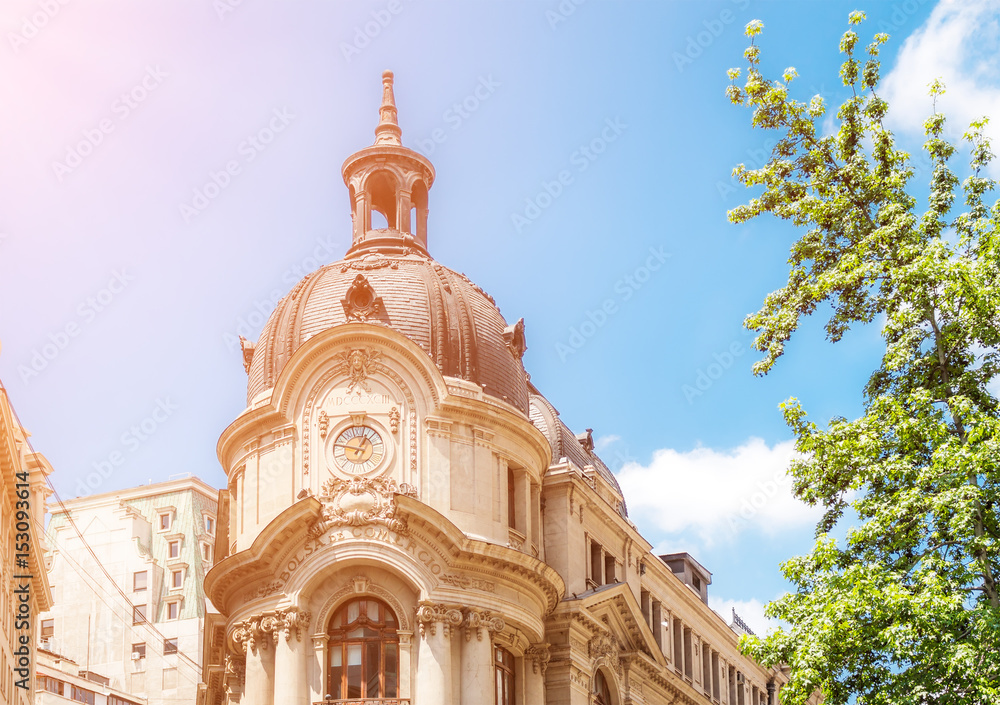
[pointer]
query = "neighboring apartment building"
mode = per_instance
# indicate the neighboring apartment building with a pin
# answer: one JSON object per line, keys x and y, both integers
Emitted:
{"x": 129, "y": 606}
{"x": 24, "y": 588}
{"x": 409, "y": 521}
{"x": 58, "y": 682}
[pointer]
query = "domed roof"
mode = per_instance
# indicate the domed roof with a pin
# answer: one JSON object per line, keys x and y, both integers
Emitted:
{"x": 388, "y": 278}
{"x": 456, "y": 323}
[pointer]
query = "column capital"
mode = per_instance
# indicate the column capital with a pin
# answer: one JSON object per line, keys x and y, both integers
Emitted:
{"x": 291, "y": 621}
{"x": 476, "y": 620}
{"x": 429, "y": 614}
{"x": 539, "y": 655}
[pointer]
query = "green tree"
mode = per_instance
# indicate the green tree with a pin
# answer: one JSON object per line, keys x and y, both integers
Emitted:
{"x": 906, "y": 608}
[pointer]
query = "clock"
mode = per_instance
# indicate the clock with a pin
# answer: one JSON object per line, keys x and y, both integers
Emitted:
{"x": 358, "y": 450}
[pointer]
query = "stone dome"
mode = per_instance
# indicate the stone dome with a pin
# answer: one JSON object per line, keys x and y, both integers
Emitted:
{"x": 455, "y": 322}
{"x": 388, "y": 278}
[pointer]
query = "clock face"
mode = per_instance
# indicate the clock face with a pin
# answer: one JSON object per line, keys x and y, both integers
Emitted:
{"x": 358, "y": 450}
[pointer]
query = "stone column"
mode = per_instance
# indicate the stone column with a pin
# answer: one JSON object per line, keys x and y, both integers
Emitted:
{"x": 477, "y": 655}
{"x": 405, "y": 664}
{"x": 258, "y": 682}
{"x": 434, "y": 655}
{"x": 290, "y": 685}
{"x": 536, "y": 661}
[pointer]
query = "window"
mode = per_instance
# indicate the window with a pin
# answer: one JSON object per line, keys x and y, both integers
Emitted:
{"x": 511, "y": 500}
{"x": 166, "y": 520}
{"x": 609, "y": 570}
{"x": 363, "y": 651}
{"x": 174, "y": 549}
{"x": 601, "y": 690}
{"x": 210, "y": 525}
{"x": 173, "y": 610}
{"x": 138, "y": 614}
{"x": 115, "y": 700}
{"x": 504, "y": 676}
{"x": 177, "y": 579}
{"x": 82, "y": 695}
{"x": 48, "y": 628}
{"x": 139, "y": 581}
{"x": 170, "y": 645}
{"x": 138, "y": 651}
{"x": 206, "y": 552}
{"x": 50, "y": 684}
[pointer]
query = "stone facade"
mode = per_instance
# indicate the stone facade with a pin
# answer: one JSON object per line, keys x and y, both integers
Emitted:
{"x": 129, "y": 605}
{"x": 24, "y": 589}
{"x": 409, "y": 521}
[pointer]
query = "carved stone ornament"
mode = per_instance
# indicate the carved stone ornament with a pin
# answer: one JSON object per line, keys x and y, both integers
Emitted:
{"x": 394, "y": 420}
{"x": 604, "y": 645}
{"x": 514, "y": 337}
{"x": 293, "y": 621}
{"x": 430, "y": 614}
{"x": 478, "y": 620}
{"x": 361, "y": 501}
{"x": 357, "y": 364}
{"x": 247, "y": 347}
{"x": 539, "y": 655}
{"x": 361, "y": 303}
{"x": 324, "y": 424}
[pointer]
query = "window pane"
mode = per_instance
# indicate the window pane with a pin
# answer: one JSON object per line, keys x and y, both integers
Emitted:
{"x": 354, "y": 670}
{"x": 372, "y": 668}
{"x": 373, "y": 611}
{"x": 336, "y": 672}
{"x": 391, "y": 671}
{"x": 353, "y": 610}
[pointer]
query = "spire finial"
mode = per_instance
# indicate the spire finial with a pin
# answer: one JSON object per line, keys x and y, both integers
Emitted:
{"x": 388, "y": 131}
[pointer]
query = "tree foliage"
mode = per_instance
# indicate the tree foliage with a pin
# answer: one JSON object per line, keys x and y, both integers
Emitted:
{"x": 906, "y": 608}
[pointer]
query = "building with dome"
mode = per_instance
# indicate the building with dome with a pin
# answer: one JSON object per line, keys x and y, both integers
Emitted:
{"x": 408, "y": 521}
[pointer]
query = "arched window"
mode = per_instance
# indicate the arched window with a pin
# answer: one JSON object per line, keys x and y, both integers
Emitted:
{"x": 601, "y": 690}
{"x": 504, "y": 667}
{"x": 363, "y": 650}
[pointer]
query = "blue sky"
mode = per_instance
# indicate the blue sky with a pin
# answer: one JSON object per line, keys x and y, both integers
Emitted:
{"x": 583, "y": 153}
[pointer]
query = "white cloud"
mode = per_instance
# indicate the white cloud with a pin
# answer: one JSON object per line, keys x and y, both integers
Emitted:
{"x": 716, "y": 495}
{"x": 959, "y": 43}
{"x": 603, "y": 442}
{"x": 750, "y": 611}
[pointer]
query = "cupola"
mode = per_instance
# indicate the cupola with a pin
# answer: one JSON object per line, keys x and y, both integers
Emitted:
{"x": 387, "y": 184}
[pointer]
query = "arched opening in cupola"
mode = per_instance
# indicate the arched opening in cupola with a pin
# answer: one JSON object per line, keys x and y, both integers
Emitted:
{"x": 383, "y": 191}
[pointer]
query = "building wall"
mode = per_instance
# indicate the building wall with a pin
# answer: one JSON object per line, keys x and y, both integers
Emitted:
{"x": 93, "y": 617}
{"x": 24, "y": 591}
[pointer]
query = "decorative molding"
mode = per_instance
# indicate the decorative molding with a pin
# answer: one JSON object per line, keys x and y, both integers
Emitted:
{"x": 467, "y": 583}
{"x": 394, "y": 420}
{"x": 358, "y": 364}
{"x": 351, "y": 589}
{"x": 361, "y": 302}
{"x": 324, "y": 424}
{"x": 361, "y": 501}
{"x": 604, "y": 647}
